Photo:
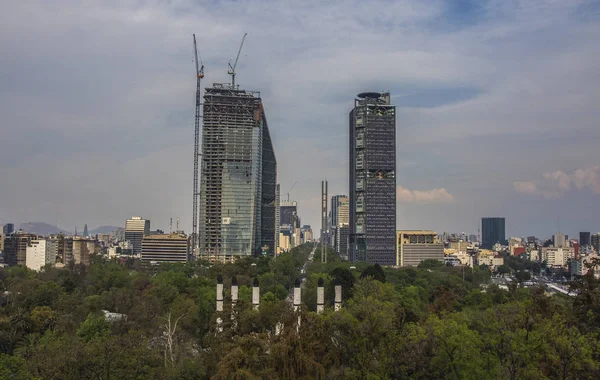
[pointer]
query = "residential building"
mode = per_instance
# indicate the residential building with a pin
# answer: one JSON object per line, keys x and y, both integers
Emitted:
{"x": 372, "y": 175}
{"x": 165, "y": 247}
{"x": 238, "y": 187}
{"x": 585, "y": 238}
{"x": 135, "y": 230}
{"x": 557, "y": 256}
{"x": 307, "y": 234}
{"x": 284, "y": 242}
{"x": 83, "y": 249}
{"x": 493, "y": 230}
{"x": 414, "y": 246}
{"x": 490, "y": 258}
{"x": 559, "y": 240}
{"x": 39, "y": 253}
{"x": 581, "y": 265}
{"x": 15, "y": 248}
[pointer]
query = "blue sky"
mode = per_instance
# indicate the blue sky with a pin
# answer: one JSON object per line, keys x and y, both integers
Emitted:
{"x": 497, "y": 105}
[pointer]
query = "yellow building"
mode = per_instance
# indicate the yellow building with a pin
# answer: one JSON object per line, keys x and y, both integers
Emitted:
{"x": 414, "y": 246}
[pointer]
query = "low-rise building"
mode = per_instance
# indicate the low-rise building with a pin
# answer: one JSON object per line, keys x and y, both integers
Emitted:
{"x": 414, "y": 246}
{"x": 165, "y": 247}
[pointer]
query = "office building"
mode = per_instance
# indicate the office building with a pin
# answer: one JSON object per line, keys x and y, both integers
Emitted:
{"x": 414, "y": 246}
{"x": 277, "y": 217}
{"x": 372, "y": 177}
{"x": 8, "y": 229}
{"x": 595, "y": 241}
{"x": 165, "y": 248}
{"x": 238, "y": 178}
{"x": 15, "y": 248}
{"x": 288, "y": 212}
{"x": 585, "y": 238}
{"x": 135, "y": 230}
{"x": 39, "y": 253}
{"x": 340, "y": 216}
{"x": 341, "y": 240}
{"x": 492, "y": 231}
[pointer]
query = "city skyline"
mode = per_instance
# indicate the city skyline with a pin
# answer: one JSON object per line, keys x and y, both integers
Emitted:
{"x": 479, "y": 124}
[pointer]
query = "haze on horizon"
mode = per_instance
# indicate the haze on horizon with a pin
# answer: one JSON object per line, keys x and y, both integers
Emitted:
{"x": 497, "y": 105}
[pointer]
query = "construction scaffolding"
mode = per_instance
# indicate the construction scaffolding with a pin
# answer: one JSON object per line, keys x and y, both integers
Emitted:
{"x": 238, "y": 176}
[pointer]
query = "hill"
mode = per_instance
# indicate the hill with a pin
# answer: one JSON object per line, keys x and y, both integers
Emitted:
{"x": 41, "y": 228}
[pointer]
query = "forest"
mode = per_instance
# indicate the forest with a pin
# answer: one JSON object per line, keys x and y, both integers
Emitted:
{"x": 126, "y": 320}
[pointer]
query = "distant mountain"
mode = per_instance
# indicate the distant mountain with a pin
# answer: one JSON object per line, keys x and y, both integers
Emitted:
{"x": 103, "y": 230}
{"x": 41, "y": 228}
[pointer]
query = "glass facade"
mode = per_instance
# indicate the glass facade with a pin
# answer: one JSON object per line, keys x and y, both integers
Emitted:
{"x": 238, "y": 178}
{"x": 373, "y": 179}
{"x": 492, "y": 232}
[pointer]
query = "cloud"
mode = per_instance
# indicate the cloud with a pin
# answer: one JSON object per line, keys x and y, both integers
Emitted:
{"x": 559, "y": 183}
{"x": 436, "y": 195}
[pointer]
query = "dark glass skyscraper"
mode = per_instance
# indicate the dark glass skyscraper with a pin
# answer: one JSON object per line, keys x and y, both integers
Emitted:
{"x": 238, "y": 179}
{"x": 493, "y": 230}
{"x": 373, "y": 179}
{"x": 585, "y": 238}
{"x": 8, "y": 229}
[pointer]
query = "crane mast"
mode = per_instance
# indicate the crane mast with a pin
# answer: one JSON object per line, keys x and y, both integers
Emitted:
{"x": 196, "y": 193}
{"x": 231, "y": 70}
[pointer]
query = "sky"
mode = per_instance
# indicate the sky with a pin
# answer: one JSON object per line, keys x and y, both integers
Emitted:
{"x": 497, "y": 105}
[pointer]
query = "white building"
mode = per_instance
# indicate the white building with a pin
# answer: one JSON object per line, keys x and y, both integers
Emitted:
{"x": 39, "y": 253}
{"x": 557, "y": 257}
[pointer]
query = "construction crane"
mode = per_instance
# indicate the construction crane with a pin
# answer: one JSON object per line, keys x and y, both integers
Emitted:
{"x": 196, "y": 193}
{"x": 231, "y": 70}
{"x": 288, "y": 193}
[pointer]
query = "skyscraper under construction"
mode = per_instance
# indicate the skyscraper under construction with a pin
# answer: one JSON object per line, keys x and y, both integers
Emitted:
{"x": 373, "y": 179}
{"x": 238, "y": 178}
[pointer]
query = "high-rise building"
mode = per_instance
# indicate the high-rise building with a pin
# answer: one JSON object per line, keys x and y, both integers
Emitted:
{"x": 340, "y": 212}
{"x": 277, "y": 217}
{"x": 238, "y": 180}
{"x": 85, "y": 230}
{"x": 135, "y": 230}
{"x": 594, "y": 239}
{"x": 493, "y": 230}
{"x": 585, "y": 238}
{"x": 373, "y": 179}
{"x": 83, "y": 249}
{"x": 40, "y": 252}
{"x": 15, "y": 248}
{"x": 414, "y": 246}
{"x": 559, "y": 240}
{"x": 165, "y": 248}
{"x": 341, "y": 240}
{"x": 8, "y": 229}
{"x": 288, "y": 212}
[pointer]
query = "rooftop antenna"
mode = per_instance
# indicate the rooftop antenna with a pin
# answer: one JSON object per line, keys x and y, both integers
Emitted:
{"x": 231, "y": 70}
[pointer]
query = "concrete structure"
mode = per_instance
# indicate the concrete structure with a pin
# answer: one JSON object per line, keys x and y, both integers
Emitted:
{"x": 40, "y": 252}
{"x": 284, "y": 243}
{"x": 493, "y": 230}
{"x": 277, "y": 217}
{"x": 238, "y": 185}
{"x": 219, "y": 306}
{"x": 324, "y": 240}
{"x": 135, "y": 230}
{"x": 320, "y": 296}
{"x": 559, "y": 240}
{"x": 372, "y": 178}
{"x": 15, "y": 248}
{"x": 165, "y": 248}
{"x": 414, "y": 246}
{"x": 490, "y": 258}
{"x": 83, "y": 249}
{"x": 557, "y": 257}
{"x": 338, "y": 297}
{"x": 255, "y": 294}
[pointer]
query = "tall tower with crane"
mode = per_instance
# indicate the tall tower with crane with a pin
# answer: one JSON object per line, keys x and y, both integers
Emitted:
{"x": 237, "y": 200}
{"x": 196, "y": 194}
